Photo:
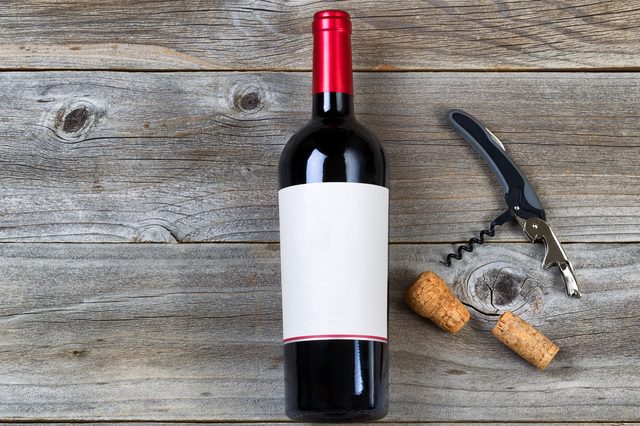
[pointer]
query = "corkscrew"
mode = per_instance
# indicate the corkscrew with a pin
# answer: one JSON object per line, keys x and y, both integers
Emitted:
{"x": 521, "y": 199}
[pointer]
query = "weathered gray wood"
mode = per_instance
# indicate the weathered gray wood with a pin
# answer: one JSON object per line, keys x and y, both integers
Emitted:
{"x": 272, "y": 423}
{"x": 191, "y": 332}
{"x": 193, "y": 156}
{"x": 275, "y": 423}
{"x": 252, "y": 35}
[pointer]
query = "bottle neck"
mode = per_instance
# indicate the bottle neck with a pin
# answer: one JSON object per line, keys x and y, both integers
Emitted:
{"x": 332, "y": 73}
{"x": 332, "y": 104}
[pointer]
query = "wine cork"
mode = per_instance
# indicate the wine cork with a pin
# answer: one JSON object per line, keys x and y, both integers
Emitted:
{"x": 526, "y": 341}
{"x": 431, "y": 298}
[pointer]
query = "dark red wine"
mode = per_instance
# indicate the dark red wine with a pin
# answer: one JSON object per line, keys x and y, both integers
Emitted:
{"x": 334, "y": 248}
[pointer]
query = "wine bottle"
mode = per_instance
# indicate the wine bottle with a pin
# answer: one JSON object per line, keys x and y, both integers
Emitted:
{"x": 334, "y": 209}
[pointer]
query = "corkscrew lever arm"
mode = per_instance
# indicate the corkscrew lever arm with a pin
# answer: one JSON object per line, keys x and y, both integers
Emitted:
{"x": 521, "y": 198}
{"x": 537, "y": 229}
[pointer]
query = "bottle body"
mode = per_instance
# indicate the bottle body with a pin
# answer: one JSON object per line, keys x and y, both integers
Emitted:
{"x": 334, "y": 245}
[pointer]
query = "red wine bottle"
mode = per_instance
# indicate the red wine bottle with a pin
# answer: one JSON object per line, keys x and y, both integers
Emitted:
{"x": 334, "y": 209}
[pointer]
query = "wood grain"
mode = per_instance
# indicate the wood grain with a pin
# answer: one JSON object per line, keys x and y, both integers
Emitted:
{"x": 266, "y": 35}
{"x": 192, "y": 332}
{"x": 276, "y": 423}
{"x": 189, "y": 157}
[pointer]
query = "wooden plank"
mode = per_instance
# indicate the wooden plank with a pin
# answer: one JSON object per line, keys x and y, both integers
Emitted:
{"x": 272, "y": 423}
{"x": 275, "y": 423}
{"x": 259, "y": 35}
{"x": 193, "y": 156}
{"x": 192, "y": 332}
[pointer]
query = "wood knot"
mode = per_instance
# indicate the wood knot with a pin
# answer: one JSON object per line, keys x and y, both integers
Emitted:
{"x": 76, "y": 353}
{"x": 72, "y": 121}
{"x": 155, "y": 233}
{"x": 80, "y": 353}
{"x": 497, "y": 287}
{"x": 76, "y": 119}
{"x": 249, "y": 99}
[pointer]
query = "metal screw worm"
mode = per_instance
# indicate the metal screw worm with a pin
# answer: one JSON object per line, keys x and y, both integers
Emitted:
{"x": 469, "y": 246}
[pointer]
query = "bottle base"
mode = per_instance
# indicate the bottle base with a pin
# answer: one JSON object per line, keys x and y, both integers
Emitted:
{"x": 336, "y": 416}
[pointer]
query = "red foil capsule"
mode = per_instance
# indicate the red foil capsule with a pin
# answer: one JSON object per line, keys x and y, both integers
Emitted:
{"x": 332, "y": 52}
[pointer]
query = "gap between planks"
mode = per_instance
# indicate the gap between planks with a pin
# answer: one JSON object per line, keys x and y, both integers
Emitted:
{"x": 394, "y": 243}
{"x": 278, "y": 422}
{"x": 367, "y": 71}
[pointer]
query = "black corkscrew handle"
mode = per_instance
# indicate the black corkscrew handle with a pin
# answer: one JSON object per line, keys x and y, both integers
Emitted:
{"x": 519, "y": 194}
{"x": 500, "y": 220}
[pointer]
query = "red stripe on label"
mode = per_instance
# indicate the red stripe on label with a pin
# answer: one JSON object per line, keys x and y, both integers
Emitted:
{"x": 335, "y": 336}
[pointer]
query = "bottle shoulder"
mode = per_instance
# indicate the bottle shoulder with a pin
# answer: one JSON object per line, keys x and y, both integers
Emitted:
{"x": 333, "y": 150}
{"x": 333, "y": 137}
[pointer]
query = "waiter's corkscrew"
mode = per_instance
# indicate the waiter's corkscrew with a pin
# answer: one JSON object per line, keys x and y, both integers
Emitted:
{"x": 521, "y": 199}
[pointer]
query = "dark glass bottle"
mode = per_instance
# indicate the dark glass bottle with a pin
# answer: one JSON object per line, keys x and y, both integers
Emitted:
{"x": 342, "y": 377}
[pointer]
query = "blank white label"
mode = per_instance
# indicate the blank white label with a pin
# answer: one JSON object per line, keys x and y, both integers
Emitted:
{"x": 334, "y": 255}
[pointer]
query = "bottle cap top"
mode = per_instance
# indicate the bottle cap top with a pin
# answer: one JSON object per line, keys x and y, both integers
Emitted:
{"x": 337, "y": 20}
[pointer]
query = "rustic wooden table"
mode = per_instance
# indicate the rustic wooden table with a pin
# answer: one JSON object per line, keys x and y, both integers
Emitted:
{"x": 139, "y": 144}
